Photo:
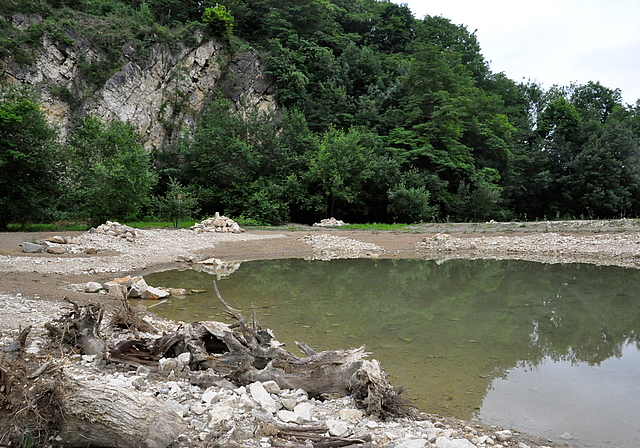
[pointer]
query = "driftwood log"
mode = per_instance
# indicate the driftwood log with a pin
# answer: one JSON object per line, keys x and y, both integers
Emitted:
{"x": 84, "y": 413}
{"x": 108, "y": 416}
{"x": 245, "y": 352}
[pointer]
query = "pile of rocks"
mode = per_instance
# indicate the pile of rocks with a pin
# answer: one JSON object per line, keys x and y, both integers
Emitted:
{"x": 56, "y": 245}
{"x": 116, "y": 229}
{"x": 328, "y": 247}
{"x": 262, "y": 414}
{"x": 330, "y": 222}
{"x": 217, "y": 267}
{"x": 131, "y": 287}
{"x": 217, "y": 224}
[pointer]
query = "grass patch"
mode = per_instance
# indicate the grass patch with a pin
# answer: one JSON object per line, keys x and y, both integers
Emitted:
{"x": 62, "y": 226}
{"x": 158, "y": 224}
{"x": 375, "y": 226}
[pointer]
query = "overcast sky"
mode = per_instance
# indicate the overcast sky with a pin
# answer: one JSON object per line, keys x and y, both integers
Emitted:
{"x": 552, "y": 41}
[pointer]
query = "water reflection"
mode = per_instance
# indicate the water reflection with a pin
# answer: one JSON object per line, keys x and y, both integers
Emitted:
{"x": 449, "y": 332}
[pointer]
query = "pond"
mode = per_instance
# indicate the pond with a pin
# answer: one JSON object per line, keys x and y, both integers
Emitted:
{"x": 551, "y": 350}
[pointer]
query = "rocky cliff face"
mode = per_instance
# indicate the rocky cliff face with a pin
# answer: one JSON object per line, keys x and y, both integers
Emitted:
{"x": 159, "y": 96}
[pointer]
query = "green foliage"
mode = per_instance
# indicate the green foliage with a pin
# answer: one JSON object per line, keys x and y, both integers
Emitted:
{"x": 381, "y": 117}
{"x": 344, "y": 171}
{"x": 410, "y": 204}
{"x": 111, "y": 176}
{"x": 177, "y": 204}
{"x": 246, "y": 164}
{"x": 30, "y": 159}
{"x": 219, "y": 20}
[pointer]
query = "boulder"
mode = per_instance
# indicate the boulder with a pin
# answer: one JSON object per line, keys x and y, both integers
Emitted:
{"x": 32, "y": 248}
{"x": 152, "y": 293}
{"x": 138, "y": 287}
{"x": 92, "y": 287}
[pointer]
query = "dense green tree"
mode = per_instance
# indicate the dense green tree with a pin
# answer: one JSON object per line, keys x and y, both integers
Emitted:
{"x": 247, "y": 163}
{"x": 345, "y": 172}
{"x": 30, "y": 162}
{"x": 178, "y": 203}
{"x": 111, "y": 175}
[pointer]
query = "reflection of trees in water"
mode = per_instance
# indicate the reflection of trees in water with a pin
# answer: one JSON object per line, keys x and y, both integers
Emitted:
{"x": 472, "y": 320}
{"x": 574, "y": 312}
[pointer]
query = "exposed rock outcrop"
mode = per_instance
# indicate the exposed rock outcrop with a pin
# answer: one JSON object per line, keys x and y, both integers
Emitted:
{"x": 159, "y": 95}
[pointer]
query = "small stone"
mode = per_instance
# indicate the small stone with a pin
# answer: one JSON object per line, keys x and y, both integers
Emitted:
{"x": 350, "y": 414}
{"x": 143, "y": 371}
{"x": 210, "y": 396}
{"x": 219, "y": 414}
{"x": 138, "y": 287}
{"x": 414, "y": 443}
{"x": 338, "y": 428}
{"x": 304, "y": 410}
{"x": 271, "y": 387}
{"x": 372, "y": 425}
{"x": 117, "y": 382}
{"x": 57, "y": 239}
{"x": 432, "y": 434}
{"x": 486, "y": 440}
{"x": 504, "y": 435}
{"x": 289, "y": 403}
{"x": 522, "y": 445}
{"x": 152, "y": 293}
{"x": 259, "y": 393}
{"x": 445, "y": 442}
{"x": 184, "y": 358}
{"x": 198, "y": 408}
{"x": 92, "y": 287}
{"x": 167, "y": 364}
{"x": 289, "y": 417}
{"x": 566, "y": 436}
{"x": 176, "y": 407}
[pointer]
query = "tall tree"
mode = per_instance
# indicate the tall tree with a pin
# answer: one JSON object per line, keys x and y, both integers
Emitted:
{"x": 30, "y": 159}
{"x": 111, "y": 176}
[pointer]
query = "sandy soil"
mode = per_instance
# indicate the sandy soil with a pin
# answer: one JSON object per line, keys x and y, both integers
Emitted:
{"x": 598, "y": 242}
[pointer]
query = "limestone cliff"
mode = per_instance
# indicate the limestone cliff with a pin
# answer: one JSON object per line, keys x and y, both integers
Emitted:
{"x": 159, "y": 96}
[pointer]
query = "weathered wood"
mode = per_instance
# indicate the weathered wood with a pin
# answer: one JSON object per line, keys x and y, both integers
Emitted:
{"x": 80, "y": 328}
{"x": 110, "y": 416}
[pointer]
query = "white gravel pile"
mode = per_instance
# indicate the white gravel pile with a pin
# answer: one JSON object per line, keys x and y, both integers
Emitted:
{"x": 329, "y": 247}
{"x": 600, "y": 249}
{"x": 148, "y": 247}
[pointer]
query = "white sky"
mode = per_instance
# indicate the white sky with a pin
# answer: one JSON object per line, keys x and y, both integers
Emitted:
{"x": 552, "y": 41}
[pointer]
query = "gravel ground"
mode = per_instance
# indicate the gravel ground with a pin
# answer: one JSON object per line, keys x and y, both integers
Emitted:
{"x": 31, "y": 286}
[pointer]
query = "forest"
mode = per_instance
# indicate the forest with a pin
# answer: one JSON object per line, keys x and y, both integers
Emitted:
{"x": 381, "y": 117}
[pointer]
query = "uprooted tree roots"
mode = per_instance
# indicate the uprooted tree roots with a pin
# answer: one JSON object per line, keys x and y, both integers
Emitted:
{"x": 81, "y": 413}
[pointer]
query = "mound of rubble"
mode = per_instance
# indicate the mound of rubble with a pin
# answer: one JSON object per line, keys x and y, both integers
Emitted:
{"x": 329, "y": 247}
{"x": 116, "y": 229}
{"x": 217, "y": 224}
{"x": 330, "y": 222}
{"x": 56, "y": 245}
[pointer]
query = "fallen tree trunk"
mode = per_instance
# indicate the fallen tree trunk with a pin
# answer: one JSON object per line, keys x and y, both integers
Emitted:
{"x": 109, "y": 416}
{"x": 85, "y": 413}
{"x": 39, "y": 401}
{"x": 245, "y": 352}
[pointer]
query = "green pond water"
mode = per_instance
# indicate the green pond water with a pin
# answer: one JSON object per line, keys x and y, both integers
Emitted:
{"x": 551, "y": 350}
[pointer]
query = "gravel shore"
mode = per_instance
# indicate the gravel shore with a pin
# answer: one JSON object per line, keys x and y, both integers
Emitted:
{"x": 31, "y": 287}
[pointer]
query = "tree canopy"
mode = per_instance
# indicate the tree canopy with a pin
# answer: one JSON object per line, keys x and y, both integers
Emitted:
{"x": 380, "y": 116}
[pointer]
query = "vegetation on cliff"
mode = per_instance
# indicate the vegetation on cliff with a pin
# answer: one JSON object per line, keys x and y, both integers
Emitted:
{"x": 381, "y": 117}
